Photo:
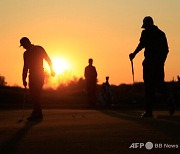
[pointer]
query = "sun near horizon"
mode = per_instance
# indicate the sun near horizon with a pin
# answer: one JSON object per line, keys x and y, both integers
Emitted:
{"x": 60, "y": 65}
{"x": 62, "y": 68}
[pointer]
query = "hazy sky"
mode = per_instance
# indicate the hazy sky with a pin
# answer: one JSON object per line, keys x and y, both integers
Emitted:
{"x": 75, "y": 30}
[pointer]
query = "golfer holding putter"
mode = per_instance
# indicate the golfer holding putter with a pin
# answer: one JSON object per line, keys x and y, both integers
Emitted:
{"x": 156, "y": 49}
{"x": 33, "y": 64}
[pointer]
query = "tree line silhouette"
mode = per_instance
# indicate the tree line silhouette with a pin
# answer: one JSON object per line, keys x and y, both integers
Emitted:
{"x": 73, "y": 94}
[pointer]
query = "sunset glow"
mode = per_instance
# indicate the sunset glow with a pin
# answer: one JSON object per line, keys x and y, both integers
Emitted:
{"x": 60, "y": 65}
{"x": 63, "y": 70}
{"x": 71, "y": 32}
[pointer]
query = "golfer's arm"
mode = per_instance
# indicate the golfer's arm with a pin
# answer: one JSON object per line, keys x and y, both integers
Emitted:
{"x": 46, "y": 57}
{"x": 95, "y": 72}
{"x": 141, "y": 43}
{"x": 24, "y": 75}
{"x": 139, "y": 48}
{"x": 25, "y": 69}
{"x": 166, "y": 48}
{"x": 85, "y": 73}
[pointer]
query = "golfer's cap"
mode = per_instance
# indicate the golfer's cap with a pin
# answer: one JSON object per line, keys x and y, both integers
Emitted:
{"x": 24, "y": 40}
{"x": 147, "y": 21}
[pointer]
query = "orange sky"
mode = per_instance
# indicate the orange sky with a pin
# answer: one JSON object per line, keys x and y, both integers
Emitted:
{"x": 106, "y": 30}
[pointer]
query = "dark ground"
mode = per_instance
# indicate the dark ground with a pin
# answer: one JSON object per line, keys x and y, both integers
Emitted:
{"x": 69, "y": 127}
{"x": 88, "y": 132}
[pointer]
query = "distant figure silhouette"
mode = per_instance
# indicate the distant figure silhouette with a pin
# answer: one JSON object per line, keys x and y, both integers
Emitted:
{"x": 106, "y": 94}
{"x": 33, "y": 64}
{"x": 91, "y": 81}
{"x": 178, "y": 77}
{"x": 156, "y": 49}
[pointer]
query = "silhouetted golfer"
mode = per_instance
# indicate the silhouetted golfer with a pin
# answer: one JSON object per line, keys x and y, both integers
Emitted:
{"x": 106, "y": 93}
{"x": 33, "y": 64}
{"x": 91, "y": 81}
{"x": 156, "y": 49}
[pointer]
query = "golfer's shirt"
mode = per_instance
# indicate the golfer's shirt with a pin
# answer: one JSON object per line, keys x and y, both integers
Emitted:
{"x": 33, "y": 61}
{"x": 155, "y": 43}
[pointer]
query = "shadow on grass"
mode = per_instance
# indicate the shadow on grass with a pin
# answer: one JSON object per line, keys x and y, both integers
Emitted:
{"x": 12, "y": 145}
{"x": 169, "y": 125}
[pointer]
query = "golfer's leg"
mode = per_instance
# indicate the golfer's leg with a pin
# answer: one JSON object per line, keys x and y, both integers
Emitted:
{"x": 150, "y": 97}
{"x": 36, "y": 97}
{"x": 149, "y": 89}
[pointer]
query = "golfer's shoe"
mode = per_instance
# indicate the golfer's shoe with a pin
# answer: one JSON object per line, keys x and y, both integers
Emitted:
{"x": 146, "y": 115}
{"x": 35, "y": 118}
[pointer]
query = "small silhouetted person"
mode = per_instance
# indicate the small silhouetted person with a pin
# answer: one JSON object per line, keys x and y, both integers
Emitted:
{"x": 33, "y": 64}
{"x": 178, "y": 77}
{"x": 156, "y": 50}
{"x": 107, "y": 93}
{"x": 90, "y": 74}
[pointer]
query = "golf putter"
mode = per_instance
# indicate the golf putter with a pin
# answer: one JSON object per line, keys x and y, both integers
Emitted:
{"x": 132, "y": 66}
{"x": 24, "y": 101}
